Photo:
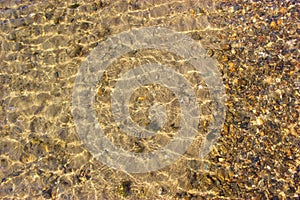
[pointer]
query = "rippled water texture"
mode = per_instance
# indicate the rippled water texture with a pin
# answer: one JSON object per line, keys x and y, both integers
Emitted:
{"x": 254, "y": 46}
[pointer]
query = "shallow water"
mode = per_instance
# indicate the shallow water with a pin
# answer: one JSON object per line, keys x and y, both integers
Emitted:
{"x": 255, "y": 47}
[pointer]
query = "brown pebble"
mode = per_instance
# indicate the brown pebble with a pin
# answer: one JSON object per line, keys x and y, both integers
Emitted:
{"x": 279, "y": 22}
{"x": 225, "y": 47}
{"x": 282, "y": 10}
{"x": 231, "y": 67}
{"x": 224, "y": 58}
{"x": 273, "y": 24}
{"x": 192, "y": 12}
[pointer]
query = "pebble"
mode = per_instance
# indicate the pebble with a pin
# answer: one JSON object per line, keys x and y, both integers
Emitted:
{"x": 225, "y": 47}
{"x": 259, "y": 121}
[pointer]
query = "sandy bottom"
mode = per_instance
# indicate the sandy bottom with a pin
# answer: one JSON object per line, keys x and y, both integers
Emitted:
{"x": 256, "y": 47}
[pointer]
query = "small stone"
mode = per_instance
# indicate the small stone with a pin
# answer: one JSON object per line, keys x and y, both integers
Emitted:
{"x": 126, "y": 188}
{"x": 256, "y": 159}
{"x": 64, "y": 119}
{"x": 84, "y": 26}
{"x": 262, "y": 134}
{"x": 279, "y": 22}
{"x": 192, "y": 12}
{"x": 74, "y": 6}
{"x": 56, "y": 74}
{"x": 259, "y": 121}
{"x": 224, "y": 58}
{"x": 77, "y": 51}
{"x": 225, "y": 46}
{"x": 273, "y": 24}
{"x": 12, "y": 36}
{"x": 210, "y": 53}
{"x": 282, "y": 10}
